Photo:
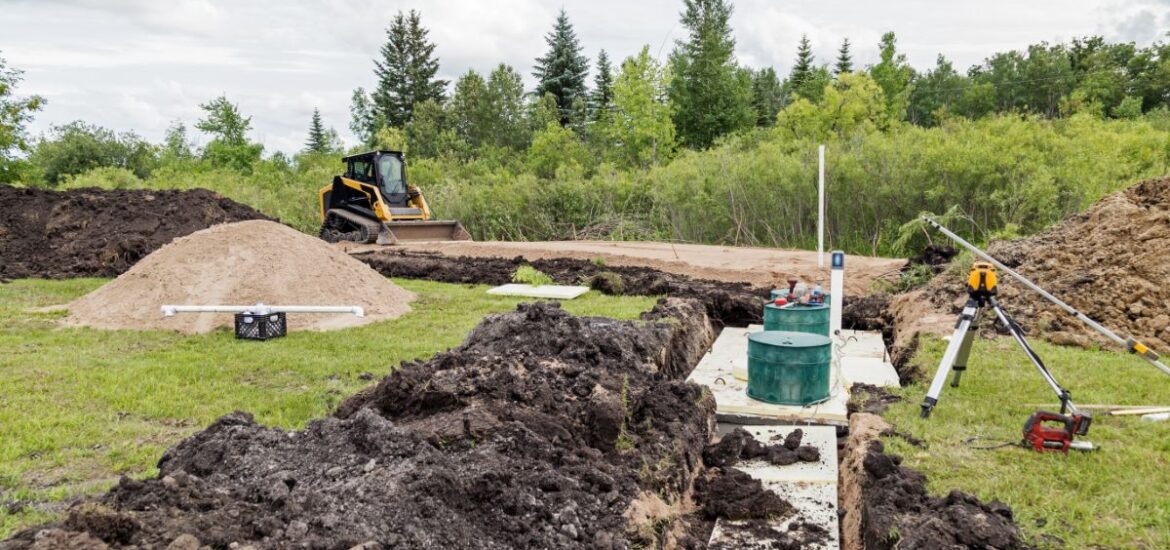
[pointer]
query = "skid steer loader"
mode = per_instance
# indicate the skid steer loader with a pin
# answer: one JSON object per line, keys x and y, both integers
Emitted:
{"x": 372, "y": 202}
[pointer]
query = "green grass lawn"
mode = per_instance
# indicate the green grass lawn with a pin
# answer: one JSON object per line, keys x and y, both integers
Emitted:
{"x": 1115, "y": 497}
{"x": 80, "y": 407}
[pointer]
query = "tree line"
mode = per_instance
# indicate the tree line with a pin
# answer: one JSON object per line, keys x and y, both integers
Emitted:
{"x": 695, "y": 147}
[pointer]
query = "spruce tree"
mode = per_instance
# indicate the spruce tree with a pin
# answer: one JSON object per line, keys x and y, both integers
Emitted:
{"x": 844, "y": 60}
{"x": 318, "y": 141}
{"x": 711, "y": 94}
{"x": 562, "y": 71}
{"x": 406, "y": 71}
{"x": 602, "y": 98}
{"x": 804, "y": 64}
{"x": 767, "y": 96}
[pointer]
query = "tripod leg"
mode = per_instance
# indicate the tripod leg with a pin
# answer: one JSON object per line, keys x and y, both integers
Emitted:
{"x": 948, "y": 359}
{"x": 964, "y": 352}
{"x": 1018, "y": 334}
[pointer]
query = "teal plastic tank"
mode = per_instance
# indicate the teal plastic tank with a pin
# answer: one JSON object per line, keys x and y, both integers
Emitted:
{"x": 813, "y": 319}
{"x": 778, "y": 292}
{"x": 788, "y": 368}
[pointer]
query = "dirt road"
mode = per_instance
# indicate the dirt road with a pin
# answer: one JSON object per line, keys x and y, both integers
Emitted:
{"x": 766, "y": 267}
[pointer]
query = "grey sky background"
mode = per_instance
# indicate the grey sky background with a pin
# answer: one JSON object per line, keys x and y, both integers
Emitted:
{"x": 142, "y": 64}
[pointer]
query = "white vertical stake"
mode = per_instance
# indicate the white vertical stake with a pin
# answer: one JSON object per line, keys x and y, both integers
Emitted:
{"x": 821, "y": 209}
{"x": 836, "y": 291}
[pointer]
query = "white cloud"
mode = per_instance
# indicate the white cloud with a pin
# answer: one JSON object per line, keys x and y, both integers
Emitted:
{"x": 141, "y": 64}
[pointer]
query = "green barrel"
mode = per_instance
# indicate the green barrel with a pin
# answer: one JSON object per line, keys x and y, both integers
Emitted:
{"x": 788, "y": 368}
{"x": 778, "y": 292}
{"x": 813, "y": 319}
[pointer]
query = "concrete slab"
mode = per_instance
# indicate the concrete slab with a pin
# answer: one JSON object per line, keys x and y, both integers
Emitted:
{"x": 815, "y": 503}
{"x": 557, "y": 292}
{"x": 857, "y": 343}
{"x": 869, "y": 370}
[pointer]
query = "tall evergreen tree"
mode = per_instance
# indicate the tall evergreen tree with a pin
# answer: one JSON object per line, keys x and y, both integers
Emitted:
{"x": 767, "y": 96}
{"x": 602, "y": 98}
{"x": 562, "y": 71}
{"x": 406, "y": 71}
{"x": 844, "y": 59}
{"x": 804, "y": 64}
{"x": 712, "y": 95}
{"x": 318, "y": 141}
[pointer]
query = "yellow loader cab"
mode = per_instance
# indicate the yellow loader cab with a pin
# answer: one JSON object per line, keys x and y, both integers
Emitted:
{"x": 373, "y": 202}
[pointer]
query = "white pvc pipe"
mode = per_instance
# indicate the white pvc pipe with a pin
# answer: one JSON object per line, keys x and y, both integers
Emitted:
{"x": 836, "y": 290}
{"x": 821, "y": 209}
{"x": 261, "y": 309}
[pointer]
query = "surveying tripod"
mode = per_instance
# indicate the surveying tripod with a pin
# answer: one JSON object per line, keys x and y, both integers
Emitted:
{"x": 981, "y": 290}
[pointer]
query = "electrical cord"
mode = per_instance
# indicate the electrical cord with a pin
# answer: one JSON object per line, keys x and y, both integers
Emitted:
{"x": 995, "y": 443}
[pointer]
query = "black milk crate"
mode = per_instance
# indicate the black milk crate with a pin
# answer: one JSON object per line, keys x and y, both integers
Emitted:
{"x": 251, "y": 326}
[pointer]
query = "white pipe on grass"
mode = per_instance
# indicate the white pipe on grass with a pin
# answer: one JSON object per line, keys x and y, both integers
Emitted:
{"x": 261, "y": 309}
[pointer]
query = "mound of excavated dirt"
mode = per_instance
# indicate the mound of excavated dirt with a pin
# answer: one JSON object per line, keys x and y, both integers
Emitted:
{"x": 885, "y": 505}
{"x": 1109, "y": 262}
{"x": 99, "y": 233}
{"x": 240, "y": 264}
{"x": 543, "y": 430}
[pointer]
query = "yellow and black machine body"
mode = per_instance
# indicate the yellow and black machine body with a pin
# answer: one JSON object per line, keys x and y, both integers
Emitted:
{"x": 373, "y": 202}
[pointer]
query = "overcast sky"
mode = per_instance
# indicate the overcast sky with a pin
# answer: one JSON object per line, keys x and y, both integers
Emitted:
{"x": 142, "y": 64}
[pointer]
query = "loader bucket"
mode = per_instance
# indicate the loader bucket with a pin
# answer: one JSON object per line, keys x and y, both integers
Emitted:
{"x": 431, "y": 230}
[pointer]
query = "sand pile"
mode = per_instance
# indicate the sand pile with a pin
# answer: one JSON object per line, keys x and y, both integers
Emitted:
{"x": 1110, "y": 262}
{"x": 97, "y": 232}
{"x": 240, "y": 264}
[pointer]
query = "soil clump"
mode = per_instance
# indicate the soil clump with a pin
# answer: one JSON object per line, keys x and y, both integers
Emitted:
{"x": 240, "y": 263}
{"x": 542, "y": 429}
{"x": 100, "y": 233}
{"x": 740, "y": 444}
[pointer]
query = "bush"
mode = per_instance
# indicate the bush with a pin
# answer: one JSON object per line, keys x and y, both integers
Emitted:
{"x": 529, "y": 275}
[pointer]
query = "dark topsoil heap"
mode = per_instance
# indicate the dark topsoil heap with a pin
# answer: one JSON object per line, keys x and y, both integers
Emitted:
{"x": 99, "y": 233}
{"x": 543, "y": 430}
{"x": 1110, "y": 262}
{"x": 727, "y": 303}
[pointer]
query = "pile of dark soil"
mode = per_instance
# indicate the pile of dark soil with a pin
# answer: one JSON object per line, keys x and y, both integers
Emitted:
{"x": 742, "y": 445}
{"x": 1108, "y": 262}
{"x": 543, "y": 430}
{"x": 99, "y": 233}
{"x": 885, "y": 505}
{"x": 900, "y": 514}
{"x": 734, "y": 304}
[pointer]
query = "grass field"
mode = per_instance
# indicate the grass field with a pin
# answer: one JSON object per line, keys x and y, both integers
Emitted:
{"x": 1116, "y": 497}
{"x": 80, "y": 407}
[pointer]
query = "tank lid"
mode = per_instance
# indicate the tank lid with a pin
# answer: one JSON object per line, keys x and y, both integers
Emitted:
{"x": 787, "y": 339}
{"x": 797, "y": 307}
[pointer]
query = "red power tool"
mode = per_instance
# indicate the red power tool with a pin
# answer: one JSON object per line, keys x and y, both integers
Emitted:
{"x": 1041, "y": 436}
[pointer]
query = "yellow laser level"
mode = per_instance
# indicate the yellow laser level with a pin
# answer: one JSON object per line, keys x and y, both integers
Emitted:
{"x": 982, "y": 281}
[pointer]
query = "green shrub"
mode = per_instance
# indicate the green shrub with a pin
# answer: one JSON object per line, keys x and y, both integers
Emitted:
{"x": 529, "y": 275}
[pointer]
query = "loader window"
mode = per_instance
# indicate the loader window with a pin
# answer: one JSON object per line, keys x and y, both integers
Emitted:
{"x": 361, "y": 170}
{"x": 390, "y": 172}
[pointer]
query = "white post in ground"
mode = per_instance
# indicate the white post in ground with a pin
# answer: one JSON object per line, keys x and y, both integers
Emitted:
{"x": 821, "y": 208}
{"x": 836, "y": 291}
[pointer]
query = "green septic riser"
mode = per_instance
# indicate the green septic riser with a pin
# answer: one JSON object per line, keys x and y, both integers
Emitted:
{"x": 778, "y": 292}
{"x": 813, "y": 319}
{"x": 788, "y": 368}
